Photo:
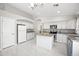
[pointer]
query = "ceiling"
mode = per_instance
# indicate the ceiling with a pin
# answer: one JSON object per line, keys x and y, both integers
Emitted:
{"x": 48, "y": 10}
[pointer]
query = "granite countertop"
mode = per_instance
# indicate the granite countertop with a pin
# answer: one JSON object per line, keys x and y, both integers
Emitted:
{"x": 45, "y": 34}
{"x": 64, "y": 33}
{"x": 30, "y": 32}
{"x": 74, "y": 37}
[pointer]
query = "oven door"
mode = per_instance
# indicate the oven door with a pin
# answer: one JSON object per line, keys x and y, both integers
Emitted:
{"x": 69, "y": 47}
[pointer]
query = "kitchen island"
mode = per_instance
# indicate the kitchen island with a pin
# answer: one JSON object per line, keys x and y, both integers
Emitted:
{"x": 45, "y": 41}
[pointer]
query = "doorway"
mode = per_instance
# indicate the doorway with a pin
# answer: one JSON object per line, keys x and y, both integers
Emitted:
{"x": 21, "y": 33}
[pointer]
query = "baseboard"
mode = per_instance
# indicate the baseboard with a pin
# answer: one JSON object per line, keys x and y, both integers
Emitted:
{"x": 21, "y": 42}
{"x": 9, "y": 46}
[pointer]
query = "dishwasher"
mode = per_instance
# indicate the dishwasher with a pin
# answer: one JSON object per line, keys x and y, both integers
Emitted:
{"x": 30, "y": 34}
{"x": 73, "y": 46}
{"x": 69, "y": 47}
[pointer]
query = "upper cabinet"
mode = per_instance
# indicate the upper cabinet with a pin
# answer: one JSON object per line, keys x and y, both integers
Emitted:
{"x": 61, "y": 25}
{"x": 65, "y": 22}
{"x": 31, "y": 26}
{"x": 46, "y": 26}
{"x": 28, "y": 24}
{"x": 77, "y": 25}
{"x": 71, "y": 24}
{"x": 68, "y": 24}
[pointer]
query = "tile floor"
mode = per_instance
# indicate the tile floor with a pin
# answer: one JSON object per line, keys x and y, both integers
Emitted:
{"x": 29, "y": 48}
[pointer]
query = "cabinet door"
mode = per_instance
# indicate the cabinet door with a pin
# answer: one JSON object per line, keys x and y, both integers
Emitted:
{"x": 0, "y": 33}
{"x": 77, "y": 26}
{"x": 28, "y": 36}
{"x": 8, "y": 32}
{"x": 71, "y": 24}
{"x": 61, "y": 38}
{"x": 64, "y": 38}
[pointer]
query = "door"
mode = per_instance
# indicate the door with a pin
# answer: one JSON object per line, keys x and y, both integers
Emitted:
{"x": 8, "y": 32}
{"x": 21, "y": 33}
{"x": 0, "y": 33}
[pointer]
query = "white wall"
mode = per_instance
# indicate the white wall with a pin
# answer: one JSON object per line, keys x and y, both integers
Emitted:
{"x": 29, "y": 24}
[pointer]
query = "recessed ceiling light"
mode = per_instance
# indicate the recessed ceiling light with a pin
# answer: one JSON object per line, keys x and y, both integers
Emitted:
{"x": 58, "y": 11}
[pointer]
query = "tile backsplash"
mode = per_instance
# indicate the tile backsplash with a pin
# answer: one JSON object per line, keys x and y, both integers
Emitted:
{"x": 61, "y": 30}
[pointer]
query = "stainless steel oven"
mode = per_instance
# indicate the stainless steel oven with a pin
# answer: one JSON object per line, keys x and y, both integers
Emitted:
{"x": 53, "y": 29}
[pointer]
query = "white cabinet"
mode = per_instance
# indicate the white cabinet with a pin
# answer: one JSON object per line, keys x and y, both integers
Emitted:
{"x": 77, "y": 26}
{"x": 46, "y": 26}
{"x": 45, "y": 41}
{"x": 29, "y": 25}
{"x": 8, "y": 32}
{"x": 71, "y": 24}
{"x": 61, "y": 25}
{"x": 62, "y": 38}
{"x": 66, "y": 24}
{"x": 75, "y": 48}
{"x": 0, "y": 33}
{"x": 30, "y": 35}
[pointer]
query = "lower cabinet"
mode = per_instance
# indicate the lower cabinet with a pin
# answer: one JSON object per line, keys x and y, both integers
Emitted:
{"x": 45, "y": 41}
{"x": 30, "y": 35}
{"x": 72, "y": 46}
{"x": 62, "y": 38}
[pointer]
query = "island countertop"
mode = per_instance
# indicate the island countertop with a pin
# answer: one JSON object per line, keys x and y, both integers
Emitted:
{"x": 46, "y": 34}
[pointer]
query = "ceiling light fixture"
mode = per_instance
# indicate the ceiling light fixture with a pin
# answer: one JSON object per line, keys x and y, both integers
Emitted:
{"x": 35, "y": 5}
